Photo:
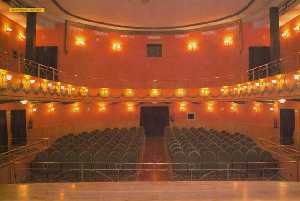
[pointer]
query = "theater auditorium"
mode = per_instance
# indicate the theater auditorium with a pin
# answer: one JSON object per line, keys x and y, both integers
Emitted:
{"x": 153, "y": 100}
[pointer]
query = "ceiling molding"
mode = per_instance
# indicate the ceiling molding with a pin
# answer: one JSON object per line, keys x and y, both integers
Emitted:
{"x": 140, "y": 29}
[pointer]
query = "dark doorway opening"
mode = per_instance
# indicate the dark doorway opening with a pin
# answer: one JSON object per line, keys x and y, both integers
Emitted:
{"x": 18, "y": 127}
{"x": 154, "y": 120}
{"x": 287, "y": 126}
{"x": 3, "y": 132}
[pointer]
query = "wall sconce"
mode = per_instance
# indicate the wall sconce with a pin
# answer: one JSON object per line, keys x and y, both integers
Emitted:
{"x": 234, "y": 107}
{"x": 129, "y": 93}
{"x": 180, "y": 92}
{"x": 32, "y": 81}
{"x": 104, "y": 92}
{"x": 24, "y": 102}
{"x": 102, "y": 107}
{"x": 155, "y": 92}
{"x": 210, "y": 106}
{"x": 7, "y": 28}
{"x": 274, "y": 81}
{"x": 80, "y": 41}
{"x": 21, "y": 36}
{"x": 182, "y": 106}
{"x": 116, "y": 46}
{"x": 9, "y": 77}
{"x": 286, "y": 34}
{"x": 130, "y": 107}
{"x": 297, "y": 77}
{"x": 76, "y": 107}
{"x": 297, "y": 28}
{"x": 228, "y": 41}
{"x": 204, "y": 91}
{"x": 192, "y": 46}
{"x": 51, "y": 107}
{"x": 282, "y": 100}
{"x": 257, "y": 107}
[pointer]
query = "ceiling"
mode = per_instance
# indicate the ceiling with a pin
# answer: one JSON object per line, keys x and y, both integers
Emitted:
{"x": 153, "y": 15}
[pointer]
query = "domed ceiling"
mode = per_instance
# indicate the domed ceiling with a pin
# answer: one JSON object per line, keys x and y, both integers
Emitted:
{"x": 152, "y": 15}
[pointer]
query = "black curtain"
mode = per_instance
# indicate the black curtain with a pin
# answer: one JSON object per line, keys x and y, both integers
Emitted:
{"x": 154, "y": 120}
{"x": 287, "y": 126}
{"x": 3, "y": 131}
{"x": 18, "y": 127}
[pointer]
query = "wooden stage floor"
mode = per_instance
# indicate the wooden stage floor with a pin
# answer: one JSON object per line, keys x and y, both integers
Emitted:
{"x": 152, "y": 191}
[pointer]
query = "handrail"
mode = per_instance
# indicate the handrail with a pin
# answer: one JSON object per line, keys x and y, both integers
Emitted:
{"x": 11, "y": 155}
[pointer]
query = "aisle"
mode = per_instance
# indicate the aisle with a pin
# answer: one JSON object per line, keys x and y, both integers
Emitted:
{"x": 154, "y": 153}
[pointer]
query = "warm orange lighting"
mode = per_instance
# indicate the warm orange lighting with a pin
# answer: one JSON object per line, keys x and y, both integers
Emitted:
{"x": 210, "y": 106}
{"x": 228, "y": 41}
{"x": 7, "y": 28}
{"x": 116, "y": 46}
{"x": 180, "y": 92}
{"x": 272, "y": 109}
{"x": 297, "y": 77}
{"x": 21, "y": 36}
{"x": 182, "y": 106}
{"x": 32, "y": 81}
{"x": 24, "y": 102}
{"x": 234, "y": 107}
{"x": 286, "y": 34}
{"x": 204, "y": 91}
{"x": 80, "y": 41}
{"x": 104, "y": 92}
{"x": 76, "y": 107}
{"x": 282, "y": 100}
{"x": 297, "y": 28}
{"x": 274, "y": 81}
{"x": 155, "y": 92}
{"x": 102, "y": 107}
{"x": 51, "y": 107}
{"x": 130, "y": 107}
{"x": 9, "y": 77}
{"x": 257, "y": 107}
{"x": 129, "y": 93}
{"x": 192, "y": 46}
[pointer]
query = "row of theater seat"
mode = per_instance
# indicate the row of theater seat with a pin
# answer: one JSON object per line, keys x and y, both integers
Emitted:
{"x": 93, "y": 156}
{"x": 210, "y": 155}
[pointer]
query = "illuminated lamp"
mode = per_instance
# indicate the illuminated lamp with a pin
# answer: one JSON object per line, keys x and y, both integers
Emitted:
{"x": 182, "y": 106}
{"x": 210, "y": 106}
{"x": 104, "y": 92}
{"x": 204, "y": 91}
{"x": 129, "y": 92}
{"x": 51, "y": 107}
{"x": 155, "y": 92}
{"x": 297, "y": 28}
{"x": 80, "y": 41}
{"x": 9, "y": 77}
{"x": 274, "y": 81}
{"x": 32, "y": 81}
{"x": 7, "y": 28}
{"x": 24, "y": 102}
{"x": 192, "y": 46}
{"x": 102, "y": 107}
{"x": 73, "y": 89}
{"x": 234, "y": 107}
{"x": 282, "y": 100}
{"x": 130, "y": 107}
{"x": 257, "y": 84}
{"x": 180, "y": 92}
{"x": 76, "y": 107}
{"x": 228, "y": 41}
{"x": 297, "y": 77}
{"x": 257, "y": 107}
{"x": 62, "y": 87}
{"x": 116, "y": 46}
{"x": 286, "y": 34}
{"x": 271, "y": 109}
{"x": 21, "y": 36}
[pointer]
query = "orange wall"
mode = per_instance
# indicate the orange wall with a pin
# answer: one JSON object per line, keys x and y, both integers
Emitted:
{"x": 9, "y": 42}
{"x": 131, "y": 67}
{"x": 291, "y": 45}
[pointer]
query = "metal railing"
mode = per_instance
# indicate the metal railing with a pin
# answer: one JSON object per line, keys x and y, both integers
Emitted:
{"x": 79, "y": 172}
{"x": 39, "y": 70}
{"x": 274, "y": 67}
{"x": 15, "y": 153}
